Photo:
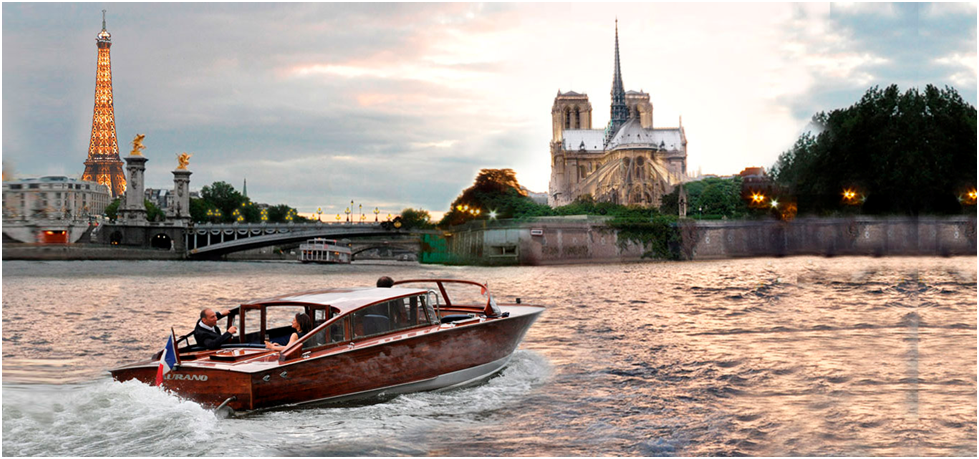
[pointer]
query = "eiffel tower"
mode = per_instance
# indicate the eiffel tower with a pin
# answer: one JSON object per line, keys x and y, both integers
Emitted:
{"x": 104, "y": 165}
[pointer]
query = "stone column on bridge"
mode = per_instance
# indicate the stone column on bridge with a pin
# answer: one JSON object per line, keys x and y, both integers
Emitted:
{"x": 132, "y": 209}
{"x": 179, "y": 211}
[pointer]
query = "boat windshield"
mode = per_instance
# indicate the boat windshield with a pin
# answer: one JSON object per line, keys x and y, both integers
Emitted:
{"x": 458, "y": 293}
{"x": 392, "y": 315}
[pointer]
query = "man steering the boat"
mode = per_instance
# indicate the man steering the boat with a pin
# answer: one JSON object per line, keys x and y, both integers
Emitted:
{"x": 207, "y": 333}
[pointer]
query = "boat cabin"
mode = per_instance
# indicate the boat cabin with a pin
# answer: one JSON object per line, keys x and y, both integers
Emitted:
{"x": 341, "y": 317}
{"x": 319, "y": 250}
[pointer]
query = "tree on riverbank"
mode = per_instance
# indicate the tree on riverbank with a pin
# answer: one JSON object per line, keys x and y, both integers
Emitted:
{"x": 153, "y": 213}
{"x": 416, "y": 219}
{"x": 496, "y": 194}
{"x": 891, "y": 153}
{"x": 710, "y": 198}
{"x": 220, "y": 202}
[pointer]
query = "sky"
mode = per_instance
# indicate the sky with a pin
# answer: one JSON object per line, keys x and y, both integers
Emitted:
{"x": 400, "y": 105}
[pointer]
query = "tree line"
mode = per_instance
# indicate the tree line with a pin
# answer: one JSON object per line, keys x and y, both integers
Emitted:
{"x": 890, "y": 153}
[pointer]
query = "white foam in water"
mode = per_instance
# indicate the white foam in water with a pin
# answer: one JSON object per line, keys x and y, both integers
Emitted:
{"x": 104, "y": 418}
{"x": 404, "y": 423}
{"x": 108, "y": 418}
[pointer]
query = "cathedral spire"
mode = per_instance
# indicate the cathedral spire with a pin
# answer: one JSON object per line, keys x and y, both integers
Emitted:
{"x": 620, "y": 112}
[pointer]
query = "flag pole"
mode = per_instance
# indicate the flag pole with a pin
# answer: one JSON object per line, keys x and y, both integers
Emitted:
{"x": 176, "y": 352}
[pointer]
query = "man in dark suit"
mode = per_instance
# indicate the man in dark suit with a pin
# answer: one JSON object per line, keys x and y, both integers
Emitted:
{"x": 207, "y": 333}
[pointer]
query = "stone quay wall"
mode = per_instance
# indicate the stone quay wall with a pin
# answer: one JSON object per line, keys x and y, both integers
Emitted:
{"x": 544, "y": 241}
{"x": 47, "y": 252}
{"x": 564, "y": 240}
{"x": 884, "y": 236}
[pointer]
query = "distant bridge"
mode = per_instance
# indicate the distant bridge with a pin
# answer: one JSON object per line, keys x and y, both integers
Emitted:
{"x": 216, "y": 240}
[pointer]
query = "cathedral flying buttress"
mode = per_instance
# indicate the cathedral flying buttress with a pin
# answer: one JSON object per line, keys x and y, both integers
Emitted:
{"x": 627, "y": 162}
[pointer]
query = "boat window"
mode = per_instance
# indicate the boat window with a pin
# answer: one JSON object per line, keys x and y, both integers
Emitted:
{"x": 429, "y": 307}
{"x": 252, "y": 320}
{"x": 393, "y": 315}
{"x": 330, "y": 335}
{"x": 278, "y": 322}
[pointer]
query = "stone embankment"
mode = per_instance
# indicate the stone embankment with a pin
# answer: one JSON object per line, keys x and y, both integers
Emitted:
{"x": 12, "y": 251}
{"x": 560, "y": 240}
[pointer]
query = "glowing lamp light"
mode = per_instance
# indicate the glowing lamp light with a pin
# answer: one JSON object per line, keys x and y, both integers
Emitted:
{"x": 774, "y": 203}
{"x": 757, "y": 198}
{"x": 492, "y": 215}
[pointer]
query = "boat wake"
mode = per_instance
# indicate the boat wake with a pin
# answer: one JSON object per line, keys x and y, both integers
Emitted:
{"x": 108, "y": 418}
{"x": 100, "y": 418}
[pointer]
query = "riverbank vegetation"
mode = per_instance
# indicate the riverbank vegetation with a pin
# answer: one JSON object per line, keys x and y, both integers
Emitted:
{"x": 889, "y": 153}
{"x": 222, "y": 203}
{"x": 153, "y": 213}
{"x": 496, "y": 194}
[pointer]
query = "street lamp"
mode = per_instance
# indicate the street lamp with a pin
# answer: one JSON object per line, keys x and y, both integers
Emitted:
{"x": 347, "y": 212}
{"x": 319, "y": 214}
{"x": 376, "y": 211}
{"x": 338, "y": 218}
{"x": 361, "y": 213}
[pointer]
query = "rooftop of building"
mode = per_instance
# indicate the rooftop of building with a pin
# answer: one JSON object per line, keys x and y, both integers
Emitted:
{"x": 570, "y": 94}
{"x": 47, "y": 179}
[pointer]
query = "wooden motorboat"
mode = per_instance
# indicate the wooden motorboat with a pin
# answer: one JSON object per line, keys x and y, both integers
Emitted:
{"x": 365, "y": 342}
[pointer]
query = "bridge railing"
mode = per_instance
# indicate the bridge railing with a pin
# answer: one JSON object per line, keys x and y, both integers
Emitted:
{"x": 282, "y": 225}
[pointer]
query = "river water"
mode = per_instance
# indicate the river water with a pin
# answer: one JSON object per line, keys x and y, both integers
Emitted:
{"x": 764, "y": 357}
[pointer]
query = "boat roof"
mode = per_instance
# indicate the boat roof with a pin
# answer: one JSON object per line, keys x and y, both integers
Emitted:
{"x": 344, "y": 299}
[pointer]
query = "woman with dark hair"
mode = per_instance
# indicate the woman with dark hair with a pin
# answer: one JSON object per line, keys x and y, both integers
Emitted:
{"x": 302, "y": 323}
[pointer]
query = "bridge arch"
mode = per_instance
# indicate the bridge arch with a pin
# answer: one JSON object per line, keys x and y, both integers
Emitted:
{"x": 214, "y": 241}
{"x": 161, "y": 241}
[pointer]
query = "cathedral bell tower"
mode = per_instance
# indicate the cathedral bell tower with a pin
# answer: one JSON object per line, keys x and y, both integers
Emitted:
{"x": 570, "y": 111}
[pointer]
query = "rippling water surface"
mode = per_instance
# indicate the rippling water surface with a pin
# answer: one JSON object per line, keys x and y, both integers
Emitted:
{"x": 783, "y": 357}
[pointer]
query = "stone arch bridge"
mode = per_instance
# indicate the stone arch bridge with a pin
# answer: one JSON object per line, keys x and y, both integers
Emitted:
{"x": 208, "y": 241}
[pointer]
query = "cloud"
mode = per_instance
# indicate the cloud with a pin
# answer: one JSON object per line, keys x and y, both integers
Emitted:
{"x": 402, "y": 104}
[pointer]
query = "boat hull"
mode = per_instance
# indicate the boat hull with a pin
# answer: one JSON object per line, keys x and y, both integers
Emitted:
{"x": 443, "y": 357}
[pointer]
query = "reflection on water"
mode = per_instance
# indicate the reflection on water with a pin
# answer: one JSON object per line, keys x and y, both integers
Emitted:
{"x": 794, "y": 356}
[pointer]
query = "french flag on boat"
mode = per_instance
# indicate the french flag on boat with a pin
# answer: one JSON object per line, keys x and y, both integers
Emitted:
{"x": 168, "y": 359}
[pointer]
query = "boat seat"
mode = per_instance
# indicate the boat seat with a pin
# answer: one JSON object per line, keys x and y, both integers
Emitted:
{"x": 376, "y": 323}
{"x": 454, "y": 317}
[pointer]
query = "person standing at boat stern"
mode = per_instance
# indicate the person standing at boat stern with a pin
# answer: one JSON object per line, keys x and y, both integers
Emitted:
{"x": 207, "y": 333}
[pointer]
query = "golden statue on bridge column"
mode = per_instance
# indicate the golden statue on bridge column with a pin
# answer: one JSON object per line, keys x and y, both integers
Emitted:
{"x": 183, "y": 160}
{"x": 138, "y": 145}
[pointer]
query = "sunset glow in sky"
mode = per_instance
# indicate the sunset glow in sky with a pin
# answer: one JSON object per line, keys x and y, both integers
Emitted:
{"x": 400, "y": 105}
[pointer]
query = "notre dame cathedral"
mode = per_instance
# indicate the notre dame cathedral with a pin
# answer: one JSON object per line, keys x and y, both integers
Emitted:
{"x": 628, "y": 162}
